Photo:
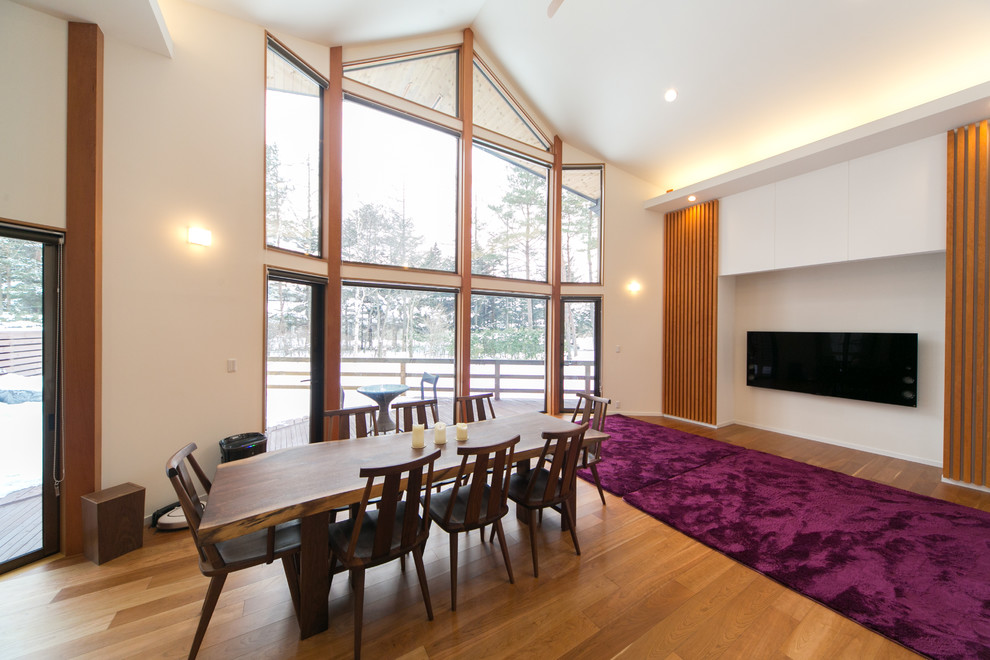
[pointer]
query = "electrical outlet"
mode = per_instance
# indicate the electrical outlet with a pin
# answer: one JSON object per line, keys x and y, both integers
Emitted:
{"x": 618, "y": 405}
{"x": 231, "y": 365}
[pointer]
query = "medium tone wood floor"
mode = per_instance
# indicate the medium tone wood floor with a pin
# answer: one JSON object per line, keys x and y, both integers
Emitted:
{"x": 639, "y": 589}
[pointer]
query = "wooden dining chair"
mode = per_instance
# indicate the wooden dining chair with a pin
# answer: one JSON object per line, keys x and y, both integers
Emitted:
{"x": 404, "y": 414}
{"x": 218, "y": 560}
{"x": 350, "y": 423}
{"x": 476, "y": 501}
{"x": 399, "y": 526}
{"x": 591, "y": 410}
{"x": 551, "y": 483}
{"x": 471, "y": 407}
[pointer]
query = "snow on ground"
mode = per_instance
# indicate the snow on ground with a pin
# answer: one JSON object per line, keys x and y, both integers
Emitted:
{"x": 21, "y": 433}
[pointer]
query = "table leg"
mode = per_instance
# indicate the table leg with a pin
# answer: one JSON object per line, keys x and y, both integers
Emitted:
{"x": 314, "y": 575}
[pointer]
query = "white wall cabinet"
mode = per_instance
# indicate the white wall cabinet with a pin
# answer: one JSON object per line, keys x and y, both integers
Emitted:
{"x": 745, "y": 231}
{"x": 897, "y": 200}
{"x": 886, "y": 204}
{"x": 811, "y": 221}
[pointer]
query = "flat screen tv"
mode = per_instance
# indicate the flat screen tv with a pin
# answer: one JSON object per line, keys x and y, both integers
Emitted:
{"x": 866, "y": 366}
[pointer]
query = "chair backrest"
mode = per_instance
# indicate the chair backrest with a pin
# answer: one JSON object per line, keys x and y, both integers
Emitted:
{"x": 495, "y": 460}
{"x": 559, "y": 458}
{"x": 428, "y": 379}
{"x": 177, "y": 470}
{"x": 590, "y": 410}
{"x": 472, "y": 408}
{"x": 350, "y": 423}
{"x": 404, "y": 418}
{"x": 408, "y": 483}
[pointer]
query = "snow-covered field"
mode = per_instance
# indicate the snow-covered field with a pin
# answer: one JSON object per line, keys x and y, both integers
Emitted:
{"x": 21, "y": 432}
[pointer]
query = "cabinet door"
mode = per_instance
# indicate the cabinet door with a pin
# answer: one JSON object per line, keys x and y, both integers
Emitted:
{"x": 745, "y": 231}
{"x": 812, "y": 218}
{"x": 897, "y": 200}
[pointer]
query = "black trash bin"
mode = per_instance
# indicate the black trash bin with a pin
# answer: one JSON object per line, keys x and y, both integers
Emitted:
{"x": 242, "y": 445}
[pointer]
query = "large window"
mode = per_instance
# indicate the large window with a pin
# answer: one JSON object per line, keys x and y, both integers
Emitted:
{"x": 581, "y": 220}
{"x": 509, "y": 350}
{"x": 293, "y": 129}
{"x": 400, "y": 190}
{"x": 392, "y": 336}
{"x": 509, "y": 228}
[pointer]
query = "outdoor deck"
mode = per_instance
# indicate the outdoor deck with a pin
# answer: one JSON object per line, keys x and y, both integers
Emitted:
{"x": 20, "y": 523}
{"x": 296, "y": 432}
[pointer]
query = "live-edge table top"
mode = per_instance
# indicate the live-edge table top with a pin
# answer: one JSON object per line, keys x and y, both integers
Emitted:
{"x": 275, "y": 487}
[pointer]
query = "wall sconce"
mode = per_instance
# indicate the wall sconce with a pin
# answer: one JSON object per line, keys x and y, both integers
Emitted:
{"x": 200, "y": 236}
{"x": 634, "y": 287}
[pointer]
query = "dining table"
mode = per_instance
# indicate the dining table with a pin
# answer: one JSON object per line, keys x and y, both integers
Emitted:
{"x": 305, "y": 482}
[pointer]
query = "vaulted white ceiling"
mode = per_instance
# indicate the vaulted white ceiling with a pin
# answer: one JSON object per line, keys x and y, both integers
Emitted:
{"x": 755, "y": 79}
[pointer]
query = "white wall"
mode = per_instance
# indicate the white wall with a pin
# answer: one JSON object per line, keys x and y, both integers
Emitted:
{"x": 896, "y": 294}
{"x": 33, "y": 55}
{"x": 184, "y": 144}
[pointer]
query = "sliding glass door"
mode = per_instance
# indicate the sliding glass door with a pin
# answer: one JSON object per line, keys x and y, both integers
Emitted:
{"x": 581, "y": 351}
{"x": 29, "y": 472}
{"x": 294, "y": 362}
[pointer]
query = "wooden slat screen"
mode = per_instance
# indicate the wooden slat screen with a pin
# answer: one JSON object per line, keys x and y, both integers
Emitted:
{"x": 967, "y": 326}
{"x": 690, "y": 303}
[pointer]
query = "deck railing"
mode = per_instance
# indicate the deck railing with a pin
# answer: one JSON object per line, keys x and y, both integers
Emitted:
{"x": 21, "y": 352}
{"x": 525, "y": 378}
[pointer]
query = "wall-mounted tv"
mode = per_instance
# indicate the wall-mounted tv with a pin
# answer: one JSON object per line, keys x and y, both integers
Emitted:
{"x": 866, "y": 366}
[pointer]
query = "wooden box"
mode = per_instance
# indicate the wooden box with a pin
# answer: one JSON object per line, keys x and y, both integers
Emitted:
{"x": 113, "y": 522}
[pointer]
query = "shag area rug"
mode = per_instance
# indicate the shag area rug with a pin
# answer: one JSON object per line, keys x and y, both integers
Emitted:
{"x": 913, "y": 568}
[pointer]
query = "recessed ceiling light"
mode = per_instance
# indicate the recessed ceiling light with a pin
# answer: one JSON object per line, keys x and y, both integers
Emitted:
{"x": 671, "y": 95}
{"x": 691, "y": 198}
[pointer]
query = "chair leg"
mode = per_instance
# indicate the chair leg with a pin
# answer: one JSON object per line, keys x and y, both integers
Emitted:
{"x": 357, "y": 578}
{"x": 532, "y": 543}
{"x": 290, "y": 564}
{"x": 594, "y": 473}
{"x": 453, "y": 571}
{"x": 417, "y": 553}
{"x": 505, "y": 549}
{"x": 569, "y": 512}
{"x": 209, "y": 604}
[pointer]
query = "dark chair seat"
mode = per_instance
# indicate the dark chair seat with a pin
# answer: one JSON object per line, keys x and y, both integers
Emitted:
{"x": 458, "y": 515}
{"x": 247, "y": 548}
{"x": 521, "y": 492}
{"x": 340, "y": 535}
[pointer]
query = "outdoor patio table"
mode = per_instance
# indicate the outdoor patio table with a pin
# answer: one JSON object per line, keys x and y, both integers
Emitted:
{"x": 382, "y": 395}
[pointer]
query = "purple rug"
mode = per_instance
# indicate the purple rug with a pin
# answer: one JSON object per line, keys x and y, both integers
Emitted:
{"x": 639, "y": 453}
{"x": 912, "y": 568}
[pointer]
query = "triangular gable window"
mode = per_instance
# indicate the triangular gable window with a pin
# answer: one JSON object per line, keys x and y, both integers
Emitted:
{"x": 429, "y": 79}
{"x": 495, "y": 110}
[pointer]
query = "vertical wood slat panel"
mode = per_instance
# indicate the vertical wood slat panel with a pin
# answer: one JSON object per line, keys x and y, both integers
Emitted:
{"x": 967, "y": 317}
{"x": 690, "y": 312}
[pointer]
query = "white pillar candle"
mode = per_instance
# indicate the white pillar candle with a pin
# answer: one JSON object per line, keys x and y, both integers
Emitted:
{"x": 440, "y": 434}
{"x": 418, "y": 436}
{"x": 461, "y": 431}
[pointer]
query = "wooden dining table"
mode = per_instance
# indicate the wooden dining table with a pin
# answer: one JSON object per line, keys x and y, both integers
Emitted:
{"x": 304, "y": 483}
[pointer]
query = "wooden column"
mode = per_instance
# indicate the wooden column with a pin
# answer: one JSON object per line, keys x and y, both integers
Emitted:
{"x": 333, "y": 140}
{"x": 555, "y": 321}
{"x": 967, "y": 323}
{"x": 83, "y": 294}
{"x": 690, "y": 312}
{"x": 462, "y": 357}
